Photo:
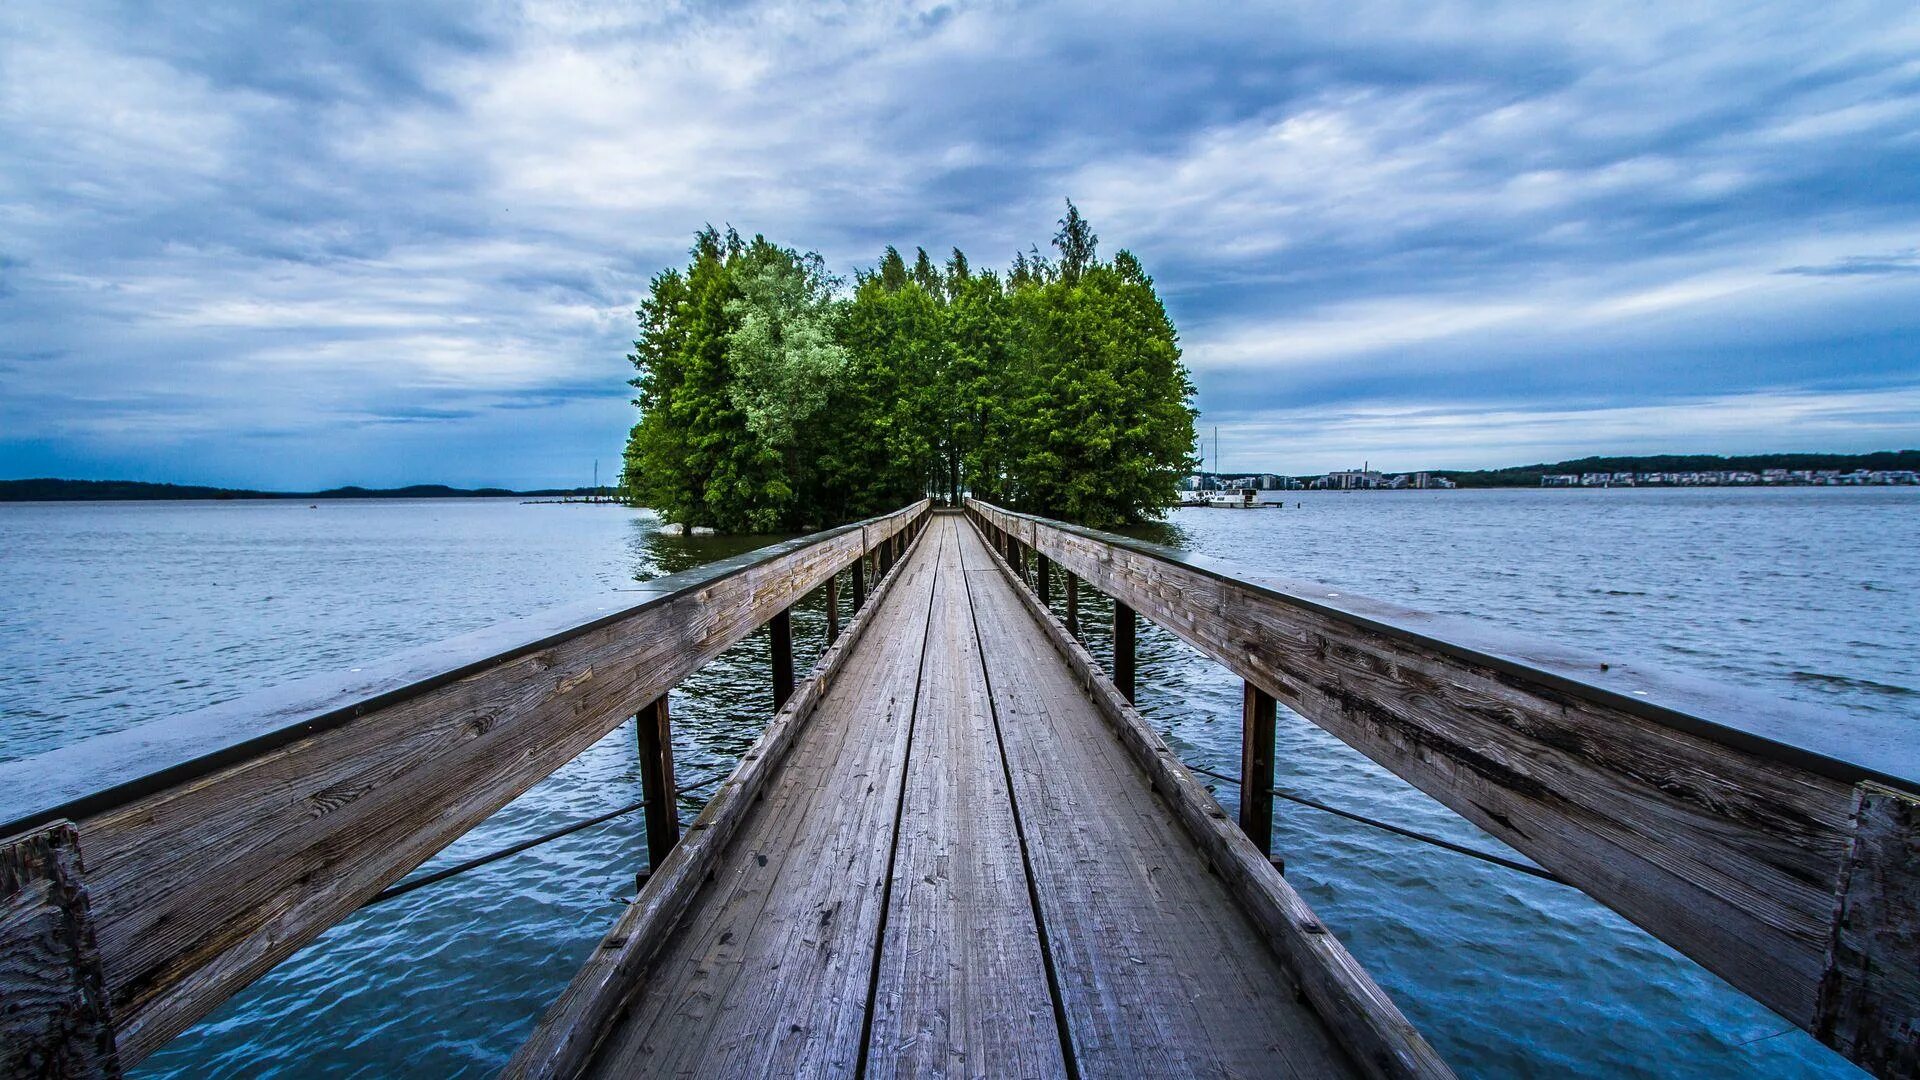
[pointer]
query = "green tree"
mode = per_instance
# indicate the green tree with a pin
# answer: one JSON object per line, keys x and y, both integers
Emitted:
{"x": 1076, "y": 242}
{"x": 770, "y": 401}
{"x": 893, "y": 270}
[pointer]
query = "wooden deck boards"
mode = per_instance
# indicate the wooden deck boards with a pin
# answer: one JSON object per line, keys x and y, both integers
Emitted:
{"x": 1161, "y": 972}
{"x": 770, "y": 973}
{"x": 962, "y": 988}
{"x": 956, "y": 820}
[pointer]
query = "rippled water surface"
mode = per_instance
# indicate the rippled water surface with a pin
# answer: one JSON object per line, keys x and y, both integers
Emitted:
{"x": 116, "y": 614}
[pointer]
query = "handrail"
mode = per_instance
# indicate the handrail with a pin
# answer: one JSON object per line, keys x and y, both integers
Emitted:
{"x": 1744, "y": 831}
{"x": 217, "y": 843}
{"x": 564, "y": 1039}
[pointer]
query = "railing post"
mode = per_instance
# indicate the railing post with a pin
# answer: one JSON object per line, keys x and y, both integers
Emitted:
{"x": 833, "y": 607}
{"x": 859, "y": 572}
{"x": 1043, "y": 580}
{"x": 1073, "y": 603}
{"x": 780, "y": 629}
{"x": 657, "y": 790}
{"x": 1256, "y": 766}
{"x": 1124, "y": 623}
{"x": 53, "y": 1010}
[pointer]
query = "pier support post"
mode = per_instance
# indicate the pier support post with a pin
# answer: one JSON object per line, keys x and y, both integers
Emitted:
{"x": 1256, "y": 766}
{"x": 55, "y": 1019}
{"x": 1043, "y": 581}
{"x": 833, "y": 607}
{"x": 780, "y": 629}
{"x": 1124, "y": 624}
{"x": 1073, "y": 604}
{"x": 657, "y": 789}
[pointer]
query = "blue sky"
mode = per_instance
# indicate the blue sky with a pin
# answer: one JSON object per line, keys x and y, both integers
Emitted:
{"x": 301, "y": 245}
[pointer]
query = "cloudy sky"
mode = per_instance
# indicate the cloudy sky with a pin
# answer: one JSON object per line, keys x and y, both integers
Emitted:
{"x": 313, "y": 244}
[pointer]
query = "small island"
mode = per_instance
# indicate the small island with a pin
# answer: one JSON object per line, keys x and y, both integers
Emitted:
{"x": 773, "y": 401}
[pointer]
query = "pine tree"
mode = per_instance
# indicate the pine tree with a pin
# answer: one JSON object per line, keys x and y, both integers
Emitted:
{"x": 1076, "y": 243}
{"x": 924, "y": 275}
{"x": 893, "y": 270}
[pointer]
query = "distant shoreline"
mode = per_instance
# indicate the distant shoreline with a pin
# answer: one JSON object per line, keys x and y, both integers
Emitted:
{"x": 1530, "y": 476}
{"x": 54, "y": 490}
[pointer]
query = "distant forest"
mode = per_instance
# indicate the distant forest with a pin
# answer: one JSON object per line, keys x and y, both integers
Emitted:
{"x": 50, "y": 490}
{"x": 1529, "y": 475}
{"x": 774, "y": 398}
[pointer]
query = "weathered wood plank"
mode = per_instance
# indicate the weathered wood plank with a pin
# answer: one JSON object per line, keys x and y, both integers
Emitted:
{"x": 961, "y": 987}
{"x": 55, "y": 1019}
{"x": 1162, "y": 969}
{"x": 832, "y": 601}
{"x": 1870, "y": 997}
{"x": 1371, "y": 1029}
{"x": 769, "y": 969}
{"x": 253, "y": 835}
{"x": 1125, "y": 630}
{"x": 654, "y": 737}
{"x": 1719, "y": 821}
{"x": 1257, "y": 716}
{"x": 780, "y": 638}
{"x": 565, "y": 1040}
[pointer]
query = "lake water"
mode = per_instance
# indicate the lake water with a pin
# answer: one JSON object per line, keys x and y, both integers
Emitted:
{"x": 116, "y": 614}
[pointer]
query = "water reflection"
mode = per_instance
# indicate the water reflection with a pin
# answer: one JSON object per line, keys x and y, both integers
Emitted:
{"x": 657, "y": 553}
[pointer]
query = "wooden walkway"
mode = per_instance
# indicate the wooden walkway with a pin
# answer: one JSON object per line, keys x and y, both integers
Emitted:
{"x": 957, "y": 849}
{"x": 959, "y": 870}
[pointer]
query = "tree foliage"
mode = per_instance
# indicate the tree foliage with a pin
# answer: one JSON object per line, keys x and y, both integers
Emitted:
{"x": 772, "y": 399}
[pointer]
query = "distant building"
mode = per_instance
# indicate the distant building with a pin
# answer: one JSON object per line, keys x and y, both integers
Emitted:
{"x": 1350, "y": 480}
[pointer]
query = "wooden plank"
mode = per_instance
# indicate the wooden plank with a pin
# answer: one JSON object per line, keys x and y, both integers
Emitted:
{"x": 1257, "y": 716}
{"x": 564, "y": 1041}
{"x": 1371, "y": 1029}
{"x": 780, "y": 638}
{"x": 56, "y": 1019}
{"x": 961, "y": 988}
{"x": 1160, "y": 970}
{"x": 1870, "y": 997}
{"x": 654, "y": 735}
{"x": 217, "y": 865}
{"x": 770, "y": 970}
{"x": 1717, "y": 820}
{"x": 1125, "y": 629}
{"x": 832, "y": 600}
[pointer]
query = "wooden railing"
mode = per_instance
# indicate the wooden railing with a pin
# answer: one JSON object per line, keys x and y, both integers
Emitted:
{"x": 149, "y": 874}
{"x": 1744, "y": 831}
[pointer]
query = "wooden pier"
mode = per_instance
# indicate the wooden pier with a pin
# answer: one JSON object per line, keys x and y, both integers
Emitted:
{"x": 957, "y": 849}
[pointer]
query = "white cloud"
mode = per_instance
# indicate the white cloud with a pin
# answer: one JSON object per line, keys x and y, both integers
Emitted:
{"x": 1494, "y": 434}
{"x": 444, "y": 218}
